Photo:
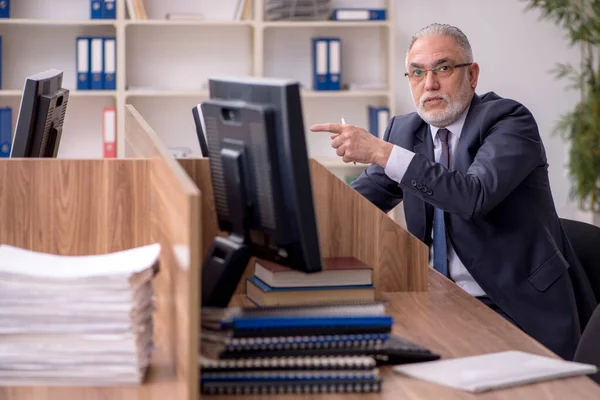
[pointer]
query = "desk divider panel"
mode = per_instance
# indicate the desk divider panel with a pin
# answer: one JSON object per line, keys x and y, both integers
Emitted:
{"x": 81, "y": 207}
{"x": 175, "y": 206}
{"x": 348, "y": 225}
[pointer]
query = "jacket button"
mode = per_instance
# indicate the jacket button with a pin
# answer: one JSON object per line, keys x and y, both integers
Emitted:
{"x": 413, "y": 182}
{"x": 429, "y": 192}
{"x": 419, "y": 186}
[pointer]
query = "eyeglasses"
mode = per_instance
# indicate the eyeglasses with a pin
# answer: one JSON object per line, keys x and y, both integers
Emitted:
{"x": 441, "y": 71}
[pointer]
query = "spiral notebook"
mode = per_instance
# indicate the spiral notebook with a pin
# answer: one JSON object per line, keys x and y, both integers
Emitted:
{"x": 287, "y": 363}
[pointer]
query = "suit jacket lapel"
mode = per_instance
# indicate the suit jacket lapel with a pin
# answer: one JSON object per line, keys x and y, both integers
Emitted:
{"x": 424, "y": 146}
{"x": 468, "y": 137}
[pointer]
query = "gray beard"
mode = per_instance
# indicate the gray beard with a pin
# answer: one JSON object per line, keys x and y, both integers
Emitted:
{"x": 453, "y": 110}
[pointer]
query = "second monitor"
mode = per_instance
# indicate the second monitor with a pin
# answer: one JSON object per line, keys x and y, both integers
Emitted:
{"x": 261, "y": 181}
{"x": 41, "y": 116}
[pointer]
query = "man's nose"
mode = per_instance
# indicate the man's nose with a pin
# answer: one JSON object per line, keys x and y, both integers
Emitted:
{"x": 431, "y": 81}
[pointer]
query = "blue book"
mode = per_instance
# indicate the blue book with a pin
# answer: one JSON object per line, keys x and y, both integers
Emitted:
{"x": 359, "y": 14}
{"x": 109, "y": 9}
{"x": 5, "y": 9}
{"x": 96, "y": 9}
{"x": 5, "y": 131}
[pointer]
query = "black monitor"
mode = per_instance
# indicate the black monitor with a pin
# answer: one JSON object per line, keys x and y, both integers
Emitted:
{"x": 41, "y": 115}
{"x": 200, "y": 129}
{"x": 261, "y": 181}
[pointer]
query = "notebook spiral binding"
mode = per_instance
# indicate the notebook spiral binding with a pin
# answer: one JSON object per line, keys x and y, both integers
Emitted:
{"x": 247, "y": 388}
{"x": 284, "y": 363}
{"x": 364, "y": 341}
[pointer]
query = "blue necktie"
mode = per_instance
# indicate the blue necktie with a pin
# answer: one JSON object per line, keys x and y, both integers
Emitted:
{"x": 440, "y": 256}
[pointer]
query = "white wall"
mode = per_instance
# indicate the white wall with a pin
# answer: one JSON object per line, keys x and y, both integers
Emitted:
{"x": 515, "y": 50}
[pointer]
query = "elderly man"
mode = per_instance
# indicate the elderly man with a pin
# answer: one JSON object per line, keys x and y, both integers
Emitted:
{"x": 473, "y": 175}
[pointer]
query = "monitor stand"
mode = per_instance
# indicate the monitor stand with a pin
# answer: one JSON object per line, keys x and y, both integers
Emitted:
{"x": 228, "y": 257}
{"x": 222, "y": 270}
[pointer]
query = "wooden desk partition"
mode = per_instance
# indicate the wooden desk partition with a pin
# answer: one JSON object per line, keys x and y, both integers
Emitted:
{"x": 78, "y": 207}
{"x": 348, "y": 225}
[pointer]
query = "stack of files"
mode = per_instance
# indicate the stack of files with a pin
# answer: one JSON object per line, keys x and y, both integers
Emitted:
{"x": 342, "y": 279}
{"x": 96, "y": 62}
{"x": 299, "y": 349}
{"x": 297, "y": 9}
{"x": 327, "y": 63}
{"x": 76, "y": 320}
{"x": 103, "y": 9}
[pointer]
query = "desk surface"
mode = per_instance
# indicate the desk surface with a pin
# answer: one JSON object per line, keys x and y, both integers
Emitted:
{"x": 451, "y": 323}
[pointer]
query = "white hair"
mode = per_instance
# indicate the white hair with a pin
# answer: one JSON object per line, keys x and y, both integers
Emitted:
{"x": 436, "y": 29}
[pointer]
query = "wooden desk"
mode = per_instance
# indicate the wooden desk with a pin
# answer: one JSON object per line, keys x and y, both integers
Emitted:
{"x": 452, "y": 323}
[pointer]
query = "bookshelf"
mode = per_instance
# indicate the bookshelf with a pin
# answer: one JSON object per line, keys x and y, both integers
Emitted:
{"x": 163, "y": 65}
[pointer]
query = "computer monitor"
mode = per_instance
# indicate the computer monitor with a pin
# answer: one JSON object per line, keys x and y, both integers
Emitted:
{"x": 41, "y": 115}
{"x": 261, "y": 181}
{"x": 200, "y": 129}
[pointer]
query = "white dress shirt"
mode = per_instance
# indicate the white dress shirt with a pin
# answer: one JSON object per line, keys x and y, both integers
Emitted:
{"x": 396, "y": 167}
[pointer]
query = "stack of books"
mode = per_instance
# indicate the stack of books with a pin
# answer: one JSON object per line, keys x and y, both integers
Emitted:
{"x": 76, "y": 320}
{"x": 342, "y": 279}
{"x": 296, "y": 349}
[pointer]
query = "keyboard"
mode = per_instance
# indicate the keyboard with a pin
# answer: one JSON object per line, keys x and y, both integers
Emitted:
{"x": 397, "y": 350}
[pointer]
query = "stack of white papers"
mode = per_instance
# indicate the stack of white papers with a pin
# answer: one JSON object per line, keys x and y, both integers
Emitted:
{"x": 76, "y": 320}
{"x": 297, "y": 9}
{"x": 494, "y": 371}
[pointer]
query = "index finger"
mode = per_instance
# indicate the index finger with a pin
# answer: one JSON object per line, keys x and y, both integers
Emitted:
{"x": 333, "y": 128}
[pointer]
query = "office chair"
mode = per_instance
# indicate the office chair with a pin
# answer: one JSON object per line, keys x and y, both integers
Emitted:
{"x": 585, "y": 239}
{"x": 588, "y": 350}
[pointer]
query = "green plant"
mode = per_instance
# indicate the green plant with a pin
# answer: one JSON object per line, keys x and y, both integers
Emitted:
{"x": 580, "y": 126}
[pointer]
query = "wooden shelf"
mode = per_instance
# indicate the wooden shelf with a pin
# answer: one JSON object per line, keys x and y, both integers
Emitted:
{"x": 186, "y": 22}
{"x": 345, "y": 93}
{"x": 72, "y": 92}
{"x": 157, "y": 63}
{"x": 165, "y": 93}
{"x": 326, "y": 24}
{"x": 58, "y": 22}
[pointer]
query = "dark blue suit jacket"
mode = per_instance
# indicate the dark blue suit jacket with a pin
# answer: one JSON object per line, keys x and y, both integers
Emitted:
{"x": 500, "y": 215}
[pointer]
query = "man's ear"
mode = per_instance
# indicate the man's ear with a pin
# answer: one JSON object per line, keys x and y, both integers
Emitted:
{"x": 473, "y": 75}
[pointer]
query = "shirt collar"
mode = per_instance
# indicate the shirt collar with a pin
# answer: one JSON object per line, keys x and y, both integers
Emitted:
{"x": 455, "y": 128}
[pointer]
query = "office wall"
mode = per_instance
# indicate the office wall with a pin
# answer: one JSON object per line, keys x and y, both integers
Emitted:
{"x": 515, "y": 51}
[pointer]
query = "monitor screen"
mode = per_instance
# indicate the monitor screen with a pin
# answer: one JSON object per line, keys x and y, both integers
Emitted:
{"x": 260, "y": 173}
{"x": 41, "y": 116}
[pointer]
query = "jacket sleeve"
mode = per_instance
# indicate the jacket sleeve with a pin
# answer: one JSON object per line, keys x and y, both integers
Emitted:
{"x": 510, "y": 150}
{"x": 376, "y": 186}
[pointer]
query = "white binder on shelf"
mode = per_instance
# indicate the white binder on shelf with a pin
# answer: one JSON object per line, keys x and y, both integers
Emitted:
{"x": 335, "y": 64}
{"x": 83, "y": 63}
{"x": 96, "y": 64}
{"x": 109, "y": 132}
{"x": 109, "y": 76}
{"x": 320, "y": 64}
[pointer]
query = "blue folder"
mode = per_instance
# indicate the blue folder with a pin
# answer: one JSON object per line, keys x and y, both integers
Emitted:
{"x": 5, "y": 131}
